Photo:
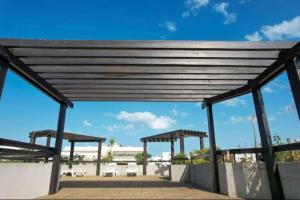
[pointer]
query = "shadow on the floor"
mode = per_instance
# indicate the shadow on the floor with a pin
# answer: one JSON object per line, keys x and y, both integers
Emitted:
{"x": 122, "y": 184}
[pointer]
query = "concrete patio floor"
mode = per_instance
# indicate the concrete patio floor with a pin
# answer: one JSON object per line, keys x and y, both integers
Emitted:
{"x": 141, "y": 187}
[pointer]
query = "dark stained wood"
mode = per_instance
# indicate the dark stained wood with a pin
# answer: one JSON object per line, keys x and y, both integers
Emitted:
{"x": 174, "y": 135}
{"x": 99, "y": 158}
{"x": 293, "y": 72}
{"x": 201, "y": 142}
{"x": 146, "y": 61}
{"x": 266, "y": 142}
{"x": 22, "y": 69}
{"x": 136, "y": 99}
{"x": 145, "y": 159}
{"x": 71, "y": 157}
{"x": 48, "y": 143}
{"x": 3, "y": 72}
{"x": 142, "y": 53}
{"x": 145, "y": 44}
{"x": 145, "y": 82}
{"x": 181, "y": 140}
{"x": 172, "y": 149}
{"x": 149, "y": 69}
{"x": 213, "y": 150}
{"x": 141, "y": 96}
{"x": 55, "y": 173}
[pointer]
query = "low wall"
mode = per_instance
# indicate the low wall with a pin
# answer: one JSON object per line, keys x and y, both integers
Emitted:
{"x": 152, "y": 169}
{"x": 24, "y": 180}
{"x": 248, "y": 180}
{"x": 180, "y": 173}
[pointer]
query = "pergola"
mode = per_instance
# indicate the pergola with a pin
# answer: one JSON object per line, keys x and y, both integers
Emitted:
{"x": 172, "y": 137}
{"x": 72, "y": 138}
{"x": 184, "y": 71}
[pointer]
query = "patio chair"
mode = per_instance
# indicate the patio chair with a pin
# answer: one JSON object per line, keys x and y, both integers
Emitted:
{"x": 131, "y": 169}
{"x": 110, "y": 169}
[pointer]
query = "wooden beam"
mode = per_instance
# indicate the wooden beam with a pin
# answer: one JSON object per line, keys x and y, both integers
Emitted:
{"x": 71, "y": 157}
{"x": 149, "y": 69}
{"x": 181, "y": 141}
{"x": 55, "y": 173}
{"x": 48, "y": 143}
{"x": 293, "y": 72}
{"x": 146, "y": 44}
{"x": 145, "y": 159}
{"x": 137, "y": 99}
{"x": 98, "y": 167}
{"x": 201, "y": 142}
{"x": 142, "y": 53}
{"x": 146, "y": 61}
{"x": 266, "y": 142}
{"x": 140, "y": 96}
{"x": 27, "y": 73}
{"x": 3, "y": 72}
{"x": 213, "y": 150}
{"x": 172, "y": 149}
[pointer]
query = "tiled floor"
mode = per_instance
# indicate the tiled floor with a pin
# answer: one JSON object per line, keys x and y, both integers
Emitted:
{"x": 141, "y": 187}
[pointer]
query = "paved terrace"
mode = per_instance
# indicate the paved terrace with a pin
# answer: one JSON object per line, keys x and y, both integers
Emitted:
{"x": 141, "y": 187}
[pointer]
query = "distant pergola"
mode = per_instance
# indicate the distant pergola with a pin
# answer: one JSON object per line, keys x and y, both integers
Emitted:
{"x": 163, "y": 71}
{"x": 172, "y": 137}
{"x": 72, "y": 138}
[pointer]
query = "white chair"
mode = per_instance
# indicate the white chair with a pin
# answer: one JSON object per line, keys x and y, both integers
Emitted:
{"x": 110, "y": 169}
{"x": 68, "y": 172}
{"x": 131, "y": 169}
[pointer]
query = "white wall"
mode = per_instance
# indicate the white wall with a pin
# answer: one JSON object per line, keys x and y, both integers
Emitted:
{"x": 248, "y": 180}
{"x": 180, "y": 173}
{"x": 24, "y": 180}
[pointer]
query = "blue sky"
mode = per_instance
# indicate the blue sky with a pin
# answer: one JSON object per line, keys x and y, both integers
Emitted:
{"x": 23, "y": 108}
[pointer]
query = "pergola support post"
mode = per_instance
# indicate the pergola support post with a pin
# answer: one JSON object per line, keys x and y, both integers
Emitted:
{"x": 172, "y": 149}
{"x": 293, "y": 72}
{"x": 145, "y": 159}
{"x": 98, "y": 168}
{"x": 55, "y": 173}
{"x": 267, "y": 149}
{"x": 71, "y": 157}
{"x": 213, "y": 150}
{"x": 181, "y": 141}
{"x": 201, "y": 142}
{"x": 3, "y": 72}
{"x": 48, "y": 142}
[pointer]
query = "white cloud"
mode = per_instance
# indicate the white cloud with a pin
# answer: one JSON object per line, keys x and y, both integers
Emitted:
{"x": 147, "y": 118}
{"x": 123, "y": 127}
{"x": 170, "y": 26}
{"x": 268, "y": 89}
{"x": 87, "y": 123}
{"x": 254, "y": 37}
{"x": 193, "y": 7}
{"x": 174, "y": 111}
{"x": 281, "y": 31}
{"x": 222, "y": 8}
{"x": 236, "y": 119}
{"x": 284, "y": 30}
{"x": 234, "y": 102}
{"x": 199, "y": 104}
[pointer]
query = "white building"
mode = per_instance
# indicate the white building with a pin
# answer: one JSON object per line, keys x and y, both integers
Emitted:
{"x": 121, "y": 153}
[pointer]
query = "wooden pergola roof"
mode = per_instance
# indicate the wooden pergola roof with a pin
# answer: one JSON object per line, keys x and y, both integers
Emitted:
{"x": 145, "y": 70}
{"x": 173, "y": 135}
{"x": 66, "y": 135}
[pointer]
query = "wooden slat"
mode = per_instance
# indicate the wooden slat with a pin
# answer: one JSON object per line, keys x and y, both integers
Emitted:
{"x": 146, "y": 61}
{"x": 137, "y": 100}
{"x": 145, "y": 87}
{"x": 145, "y": 82}
{"x": 152, "y": 44}
{"x": 151, "y": 69}
{"x": 148, "y": 76}
{"x": 115, "y": 53}
{"x": 118, "y": 91}
{"x": 140, "y": 96}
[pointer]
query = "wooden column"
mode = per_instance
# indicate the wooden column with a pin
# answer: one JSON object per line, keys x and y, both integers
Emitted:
{"x": 213, "y": 150}
{"x": 172, "y": 149}
{"x": 48, "y": 145}
{"x": 32, "y": 138}
{"x": 71, "y": 157}
{"x": 55, "y": 173}
{"x": 266, "y": 142}
{"x": 145, "y": 159}
{"x": 201, "y": 142}
{"x": 293, "y": 72}
{"x": 3, "y": 72}
{"x": 181, "y": 140}
{"x": 98, "y": 168}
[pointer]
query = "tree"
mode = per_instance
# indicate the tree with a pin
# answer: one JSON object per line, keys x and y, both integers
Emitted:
{"x": 139, "y": 157}
{"x": 112, "y": 142}
{"x": 109, "y": 156}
